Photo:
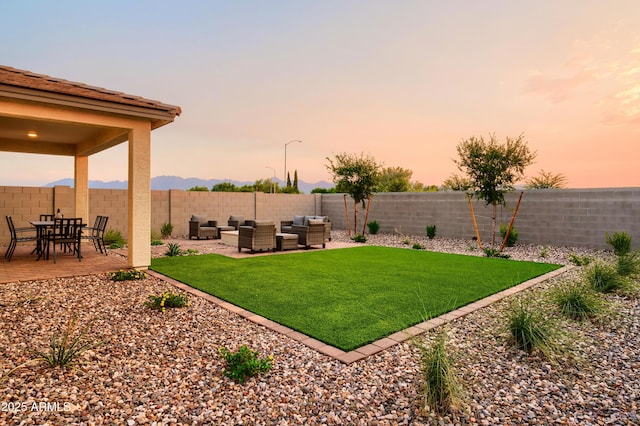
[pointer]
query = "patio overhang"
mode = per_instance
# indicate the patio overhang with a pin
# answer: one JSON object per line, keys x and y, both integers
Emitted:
{"x": 44, "y": 115}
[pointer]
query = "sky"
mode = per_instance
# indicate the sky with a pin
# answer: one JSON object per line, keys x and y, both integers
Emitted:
{"x": 401, "y": 81}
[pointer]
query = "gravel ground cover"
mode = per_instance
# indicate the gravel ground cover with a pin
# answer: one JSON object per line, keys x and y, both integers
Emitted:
{"x": 164, "y": 368}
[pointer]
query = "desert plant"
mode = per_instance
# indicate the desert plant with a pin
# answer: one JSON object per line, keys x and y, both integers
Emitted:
{"x": 513, "y": 235}
{"x": 168, "y": 299}
{"x": 577, "y": 301}
{"x": 359, "y": 238}
{"x": 441, "y": 387}
{"x": 374, "y": 227}
{"x": 604, "y": 278}
{"x": 114, "y": 239}
{"x": 132, "y": 274}
{"x": 620, "y": 241}
{"x": 174, "y": 250}
{"x": 244, "y": 363}
{"x": 579, "y": 260}
{"x": 166, "y": 229}
{"x": 156, "y": 243}
{"x": 544, "y": 252}
{"x": 628, "y": 265}
{"x": 417, "y": 246}
{"x": 493, "y": 252}
{"x": 530, "y": 329}
{"x": 431, "y": 231}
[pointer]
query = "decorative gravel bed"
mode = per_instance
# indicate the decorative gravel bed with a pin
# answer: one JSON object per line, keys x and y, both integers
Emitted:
{"x": 164, "y": 368}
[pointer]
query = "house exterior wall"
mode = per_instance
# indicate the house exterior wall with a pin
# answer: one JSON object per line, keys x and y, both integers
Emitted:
{"x": 569, "y": 217}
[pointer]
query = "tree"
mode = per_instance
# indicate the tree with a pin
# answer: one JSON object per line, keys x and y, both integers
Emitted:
{"x": 224, "y": 187}
{"x": 199, "y": 189}
{"x": 394, "y": 179}
{"x": 456, "y": 183}
{"x": 547, "y": 180}
{"x": 295, "y": 180}
{"x": 493, "y": 168}
{"x": 356, "y": 176}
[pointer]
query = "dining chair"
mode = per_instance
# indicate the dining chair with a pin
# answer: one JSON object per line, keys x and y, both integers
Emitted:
{"x": 95, "y": 233}
{"x": 18, "y": 235}
{"x": 67, "y": 232}
{"x": 47, "y": 217}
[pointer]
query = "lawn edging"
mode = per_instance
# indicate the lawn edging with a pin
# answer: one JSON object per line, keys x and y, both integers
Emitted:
{"x": 374, "y": 347}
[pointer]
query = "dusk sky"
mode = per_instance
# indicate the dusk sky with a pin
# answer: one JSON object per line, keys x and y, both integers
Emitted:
{"x": 402, "y": 81}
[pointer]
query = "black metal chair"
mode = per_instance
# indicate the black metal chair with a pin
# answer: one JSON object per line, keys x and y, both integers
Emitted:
{"x": 67, "y": 232}
{"x": 18, "y": 235}
{"x": 95, "y": 233}
{"x": 47, "y": 217}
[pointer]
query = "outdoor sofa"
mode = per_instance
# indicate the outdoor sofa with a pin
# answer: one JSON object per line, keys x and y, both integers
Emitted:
{"x": 286, "y": 226}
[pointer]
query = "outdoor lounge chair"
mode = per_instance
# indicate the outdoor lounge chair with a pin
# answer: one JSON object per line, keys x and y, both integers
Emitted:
{"x": 200, "y": 227}
{"x": 310, "y": 235}
{"x": 259, "y": 237}
{"x": 18, "y": 235}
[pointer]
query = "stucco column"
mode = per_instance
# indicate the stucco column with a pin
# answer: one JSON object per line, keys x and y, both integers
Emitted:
{"x": 139, "y": 194}
{"x": 81, "y": 187}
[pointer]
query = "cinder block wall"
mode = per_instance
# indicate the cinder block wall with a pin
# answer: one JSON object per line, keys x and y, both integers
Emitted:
{"x": 570, "y": 217}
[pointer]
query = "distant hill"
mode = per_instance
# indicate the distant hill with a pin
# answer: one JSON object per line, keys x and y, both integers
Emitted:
{"x": 177, "y": 182}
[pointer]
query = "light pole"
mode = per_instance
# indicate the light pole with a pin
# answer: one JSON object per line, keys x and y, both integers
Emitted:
{"x": 272, "y": 187}
{"x": 285, "y": 157}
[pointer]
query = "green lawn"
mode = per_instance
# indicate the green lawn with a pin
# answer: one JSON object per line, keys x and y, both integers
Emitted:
{"x": 350, "y": 297}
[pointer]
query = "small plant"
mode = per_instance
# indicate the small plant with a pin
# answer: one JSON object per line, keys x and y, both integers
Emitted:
{"x": 513, "y": 235}
{"x": 359, "y": 238}
{"x": 190, "y": 251}
{"x": 244, "y": 363}
{"x": 544, "y": 252}
{"x": 166, "y": 229}
{"x": 417, "y": 246}
{"x": 114, "y": 239}
{"x": 156, "y": 243}
{"x": 579, "y": 260}
{"x": 530, "y": 329}
{"x": 65, "y": 350}
{"x": 628, "y": 265}
{"x": 132, "y": 274}
{"x": 577, "y": 301}
{"x": 604, "y": 278}
{"x": 174, "y": 250}
{"x": 441, "y": 387}
{"x": 492, "y": 252}
{"x": 374, "y": 227}
{"x": 406, "y": 241}
{"x": 620, "y": 241}
{"x": 431, "y": 231}
{"x": 168, "y": 299}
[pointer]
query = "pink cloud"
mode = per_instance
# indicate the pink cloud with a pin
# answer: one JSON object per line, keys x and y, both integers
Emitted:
{"x": 557, "y": 89}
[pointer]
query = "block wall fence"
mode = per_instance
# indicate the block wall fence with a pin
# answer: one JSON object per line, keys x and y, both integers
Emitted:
{"x": 569, "y": 217}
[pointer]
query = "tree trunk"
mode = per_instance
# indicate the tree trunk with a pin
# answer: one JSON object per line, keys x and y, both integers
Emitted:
{"x": 493, "y": 225}
{"x": 366, "y": 215}
{"x": 346, "y": 216}
{"x": 355, "y": 217}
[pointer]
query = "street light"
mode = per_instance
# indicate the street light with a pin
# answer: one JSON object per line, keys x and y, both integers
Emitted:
{"x": 285, "y": 157}
{"x": 272, "y": 187}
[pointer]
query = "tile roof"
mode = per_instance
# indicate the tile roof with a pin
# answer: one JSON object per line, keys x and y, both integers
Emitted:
{"x": 26, "y": 79}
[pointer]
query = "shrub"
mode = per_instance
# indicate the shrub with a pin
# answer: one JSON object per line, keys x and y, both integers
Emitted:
{"x": 114, "y": 239}
{"x": 620, "y": 242}
{"x": 577, "y": 301}
{"x": 417, "y": 246}
{"x": 604, "y": 277}
{"x": 431, "y": 231}
{"x": 579, "y": 260}
{"x": 544, "y": 251}
{"x": 168, "y": 299}
{"x": 359, "y": 238}
{"x": 406, "y": 241}
{"x": 441, "y": 387}
{"x": 513, "y": 235}
{"x": 628, "y": 264}
{"x": 156, "y": 243}
{"x": 166, "y": 229}
{"x": 492, "y": 252}
{"x": 132, "y": 274}
{"x": 530, "y": 329}
{"x": 244, "y": 363}
{"x": 374, "y": 227}
{"x": 174, "y": 250}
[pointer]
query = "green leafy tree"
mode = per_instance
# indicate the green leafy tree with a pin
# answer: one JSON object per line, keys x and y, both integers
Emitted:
{"x": 288, "y": 180}
{"x": 224, "y": 187}
{"x": 324, "y": 190}
{"x": 394, "y": 179}
{"x": 199, "y": 189}
{"x": 295, "y": 180}
{"x": 546, "y": 180}
{"x": 356, "y": 176}
{"x": 456, "y": 183}
{"x": 494, "y": 168}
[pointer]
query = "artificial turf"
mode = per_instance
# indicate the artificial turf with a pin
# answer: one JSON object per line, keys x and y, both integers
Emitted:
{"x": 353, "y": 296}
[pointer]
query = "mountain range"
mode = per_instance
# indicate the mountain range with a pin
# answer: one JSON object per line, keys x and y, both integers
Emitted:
{"x": 177, "y": 182}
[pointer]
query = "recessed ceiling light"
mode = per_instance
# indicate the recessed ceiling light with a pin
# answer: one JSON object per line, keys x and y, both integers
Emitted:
{"x": 32, "y": 134}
